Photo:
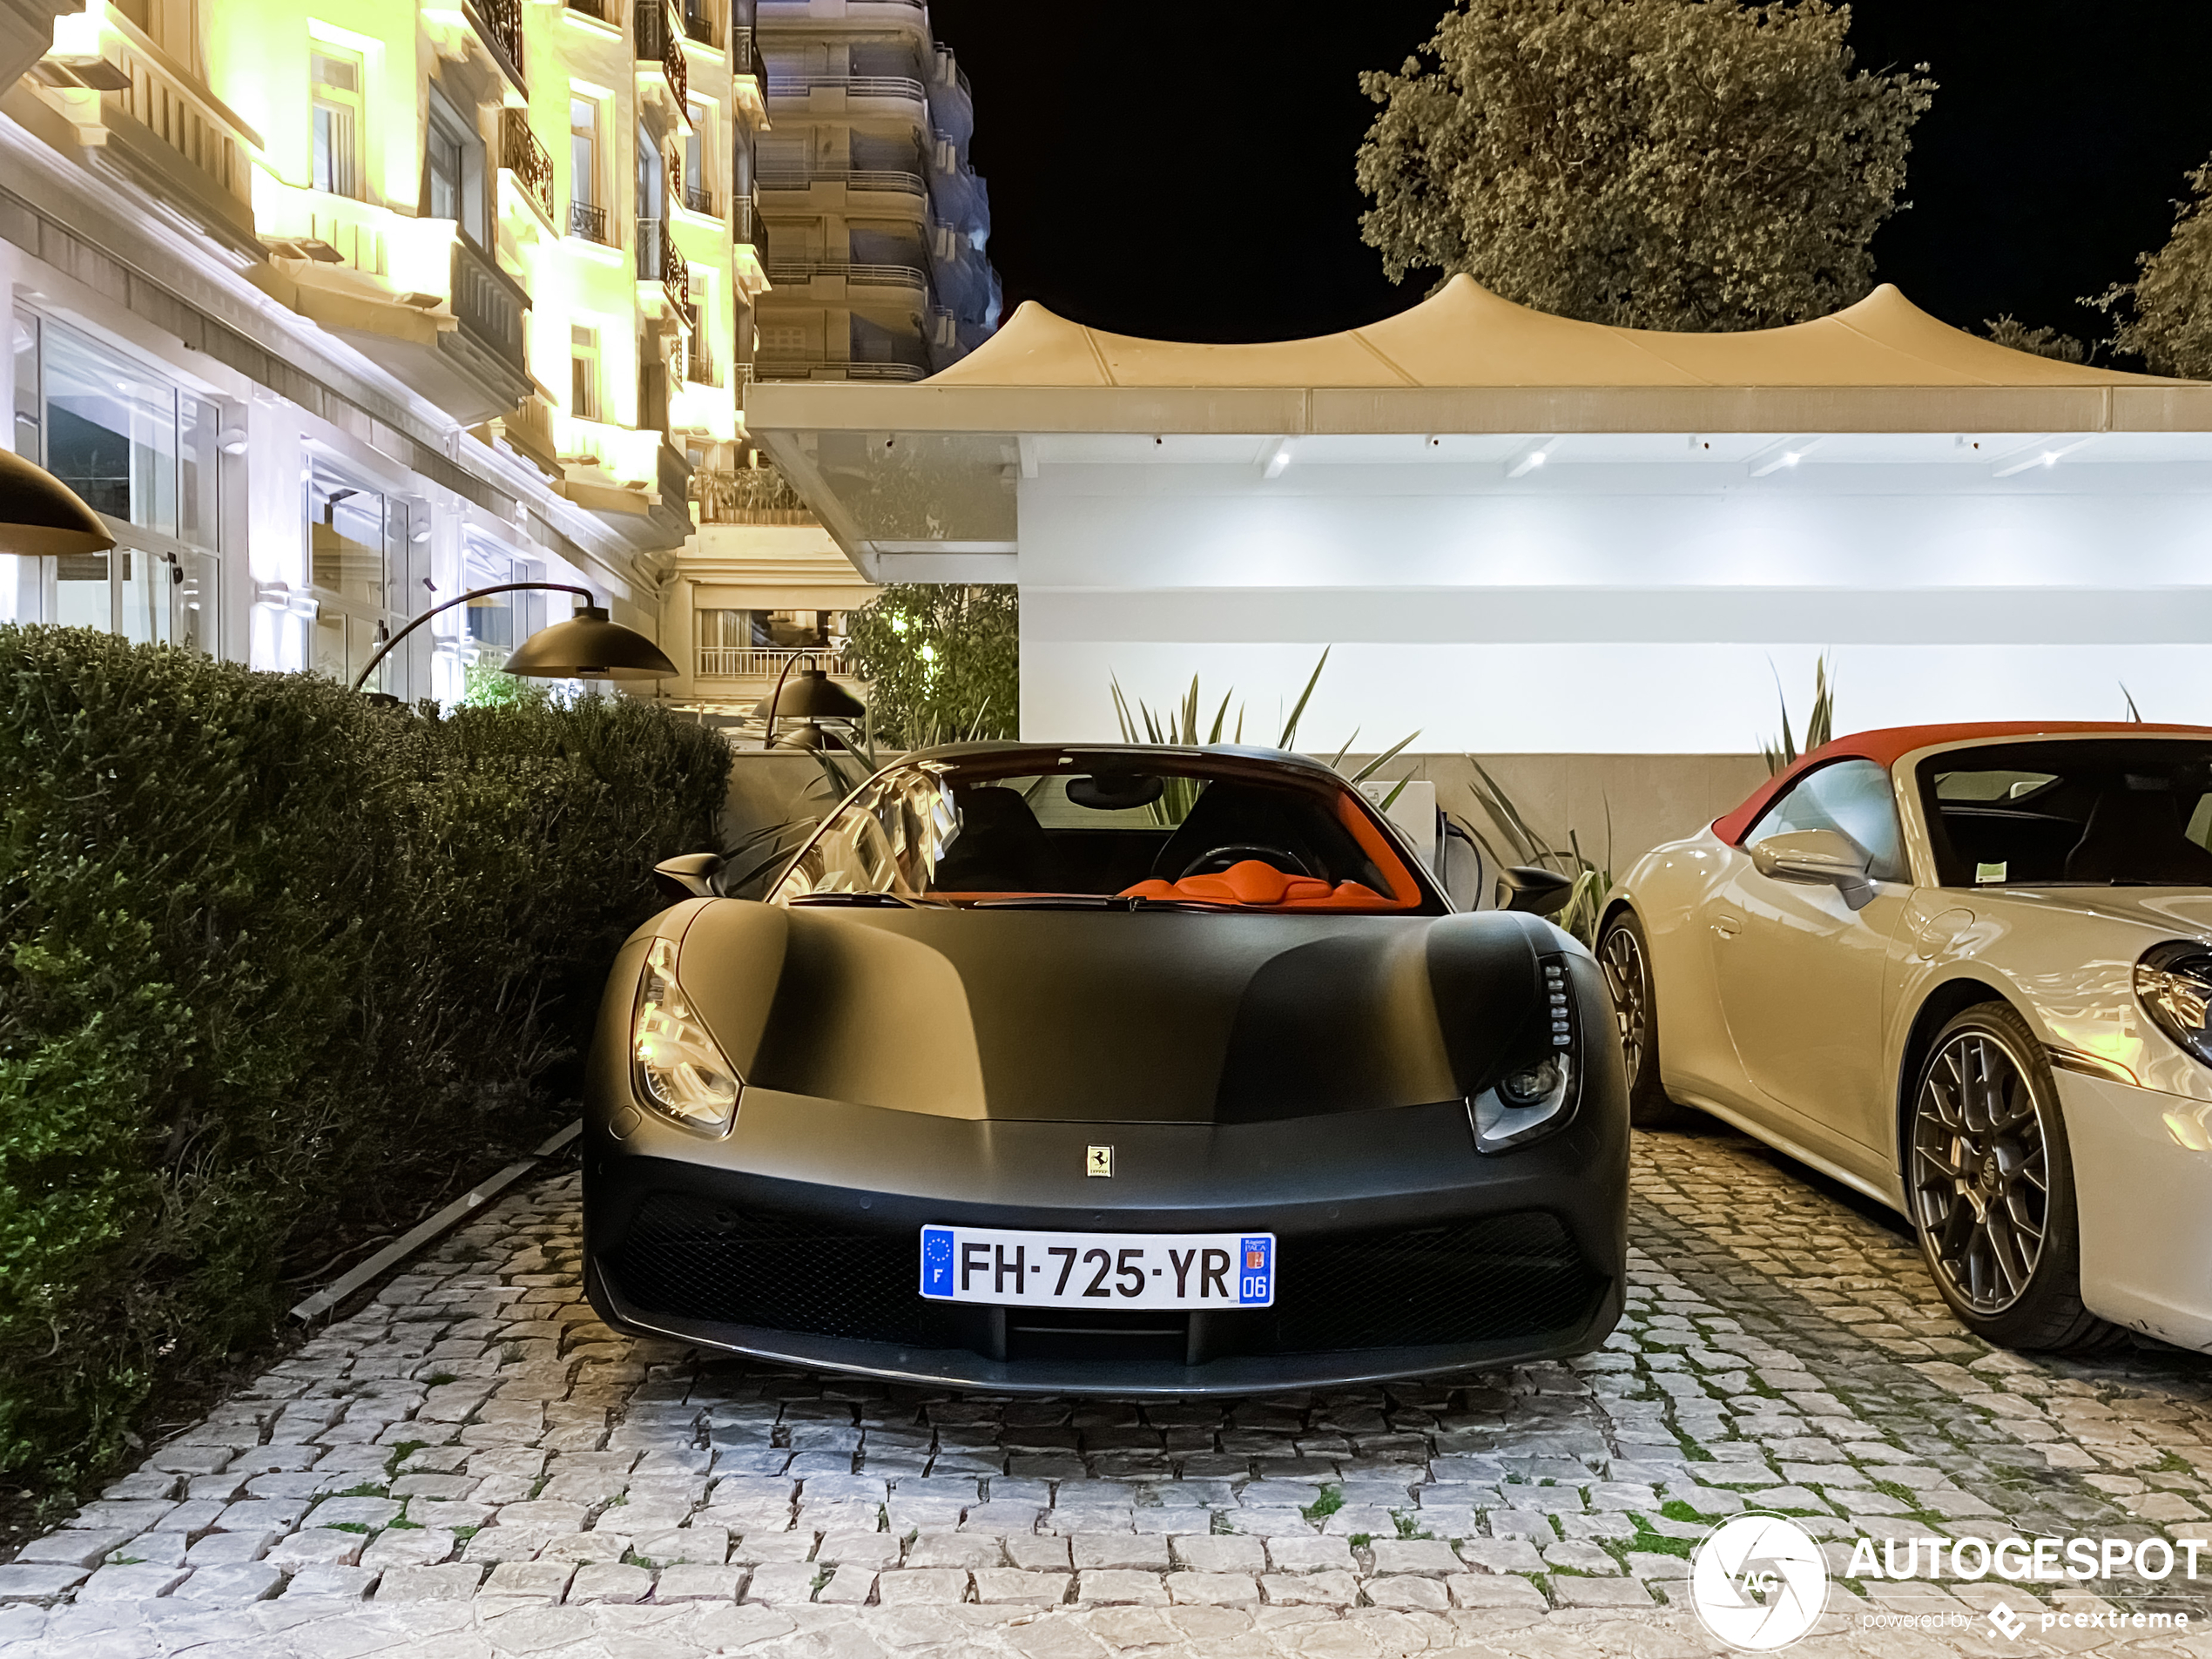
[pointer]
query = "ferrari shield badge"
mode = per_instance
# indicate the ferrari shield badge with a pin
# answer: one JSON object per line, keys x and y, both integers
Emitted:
{"x": 1099, "y": 1160}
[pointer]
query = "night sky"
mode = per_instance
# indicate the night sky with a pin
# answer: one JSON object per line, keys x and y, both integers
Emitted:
{"x": 1185, "y": 172}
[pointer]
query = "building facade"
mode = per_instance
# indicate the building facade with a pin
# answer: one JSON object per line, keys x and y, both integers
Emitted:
{"x": 335, "y": 312}
{"x": 873, "y": 228}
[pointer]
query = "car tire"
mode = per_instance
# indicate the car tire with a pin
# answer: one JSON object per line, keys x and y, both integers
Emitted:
{"x": 1988, "y": 1178}
{"x": 1625, "y": 956}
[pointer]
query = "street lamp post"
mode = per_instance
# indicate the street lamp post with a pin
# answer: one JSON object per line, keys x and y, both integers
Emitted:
{"x": 816, "y": 697}
{"x": 590, "y": 646}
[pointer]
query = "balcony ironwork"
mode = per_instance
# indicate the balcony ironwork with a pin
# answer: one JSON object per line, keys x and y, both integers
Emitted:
{"x": 487, "y": 303}
{"x": 658, "y": 43}
{"x": 903, "y": 184}
{"x": 795, "y": 87}
{"x": 696, "y": 201}
{"x": 595, "y": 10}
{"x": 804, "y": 369}
{"x": 744, "y": 55}
{"x": 500, "y": 25}
{"x": 748, "y": 226}
{"x": 760, "y": 662}
{"x": 800, "y": 272}
{"x": 521, "y": 154}
{"x": 589, "y": 220}
{"x": 699, "y": 27}
{"x": 659, "y": 260}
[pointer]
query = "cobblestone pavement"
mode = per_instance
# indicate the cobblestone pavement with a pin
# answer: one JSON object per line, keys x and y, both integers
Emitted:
{"x": 474, "y": 1465}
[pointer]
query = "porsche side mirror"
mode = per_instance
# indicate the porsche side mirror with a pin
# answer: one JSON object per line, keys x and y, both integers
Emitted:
{"x": 688, "y": 875}
{"x": 1527, "y": 887}
{"x": 1816, "y": 855}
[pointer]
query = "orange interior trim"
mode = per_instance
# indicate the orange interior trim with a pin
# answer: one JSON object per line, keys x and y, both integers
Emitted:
{"x": 1253, "y": 885}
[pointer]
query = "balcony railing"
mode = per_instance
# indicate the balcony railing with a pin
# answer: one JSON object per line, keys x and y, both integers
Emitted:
{"x": 588, "y": 221}
{"x": 698, "y": 27}
{"x": 657, "y": 260}
{"x": 501, "y": 28}
{"x": 699, "y": 366}
{"x": 696, "y": 201}
{"x": 887, "y": 86}
{"x": 903, "y": 184}
{"x": 799, "y": 273}
{"x": 763, "y": 661}
{"x": 807, "y": 369}
{"x": 657, "y": 43}
{"x": 521, "y": 154}
{"x": 487, "y": 303}
{"x": 595, "y": 10}
{"x": 744, "y": 55}
{"x": 749, "y": 227}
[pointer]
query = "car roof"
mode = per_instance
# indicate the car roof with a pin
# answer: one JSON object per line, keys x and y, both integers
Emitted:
{"x": 1888, "y": 744}
{"x": 1013, "y": 746}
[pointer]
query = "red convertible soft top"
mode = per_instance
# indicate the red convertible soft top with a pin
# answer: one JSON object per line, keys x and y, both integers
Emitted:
{"x": 1886, "y": 746}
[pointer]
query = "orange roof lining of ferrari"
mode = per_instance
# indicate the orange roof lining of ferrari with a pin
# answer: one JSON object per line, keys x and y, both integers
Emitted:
{"x": 1886, "y": 746}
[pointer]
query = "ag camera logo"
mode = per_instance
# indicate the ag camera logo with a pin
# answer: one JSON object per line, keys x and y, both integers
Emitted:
{"x": 1758, "y": 1582}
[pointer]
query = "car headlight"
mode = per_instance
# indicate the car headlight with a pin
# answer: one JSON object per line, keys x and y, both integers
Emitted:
{"x": 2174, "y": 984}
{"x": 680, "y": 1071}
{"x": 1536, "y": 1097}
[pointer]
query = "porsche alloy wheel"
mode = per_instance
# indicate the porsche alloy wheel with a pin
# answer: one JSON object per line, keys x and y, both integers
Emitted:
{"x": 1991, "y": 1187}
{"x": 1621, "y": 953}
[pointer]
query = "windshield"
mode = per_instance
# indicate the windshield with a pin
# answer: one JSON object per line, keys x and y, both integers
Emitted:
{"x": 1091, "y": 826}
{"x": 2130, "y": 811}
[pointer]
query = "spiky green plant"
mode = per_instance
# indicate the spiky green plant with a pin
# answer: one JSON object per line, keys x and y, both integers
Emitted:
{"x": 1592, "y": 881}
{"x": 1820, "y": 723}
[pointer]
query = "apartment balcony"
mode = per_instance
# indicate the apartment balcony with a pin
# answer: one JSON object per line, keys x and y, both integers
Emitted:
{"x": 597, "y": 10}
{"x": 842, "y": 282}
{"x": 488, "y": 29}
{"x": 749, "y": 246}
{"x": 698, "y": 29}
{"x": 524, "y": 161}
{"x": 588, "y": 222}
{"x": 420, "y": 300}
{"x": 747, "y": 495}
{"x": 819, "y": 368}
{"x": 147, "y": 124}
{"x": 748, "y": 76}
{"x": 879, "y": 95}
{"x": 837, "y": 190}
{"x": 951, "y": 102}
{"x": 764, "y": 663}
{"x": 701, "y": 201}
{"x": 660, "y": 57}
{"x": 528, "y": 430}
{"x": 659, "y": 261}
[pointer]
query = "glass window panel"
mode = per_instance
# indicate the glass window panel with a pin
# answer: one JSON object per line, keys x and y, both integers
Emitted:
{"x": 1851, "y": 797}
{"x": 143, "y": 582}
{"x": 80, "y": 591}
{"x": 330, "y": 643}
{"x": 112, "y": 433}
{"x": 346, "y": 540}
{"x": 491, "y": 619}
{"x": 199, "y": 463}
{"x": 198, "y": 623}
{"x": 445, "y": 175}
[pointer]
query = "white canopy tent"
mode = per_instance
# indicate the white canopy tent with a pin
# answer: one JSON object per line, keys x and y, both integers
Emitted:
{"x": 1524, "y": 533}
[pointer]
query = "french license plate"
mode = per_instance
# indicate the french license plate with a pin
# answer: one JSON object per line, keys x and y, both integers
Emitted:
{"x": 1016, "y": 1268}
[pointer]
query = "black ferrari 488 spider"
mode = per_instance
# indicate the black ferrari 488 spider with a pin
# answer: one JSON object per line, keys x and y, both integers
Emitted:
{"x": 1074, "y": 1068}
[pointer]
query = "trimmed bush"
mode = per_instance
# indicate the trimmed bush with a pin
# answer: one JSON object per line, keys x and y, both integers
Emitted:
{"x": 942, "y": 662}
{"x": 277, "y": 964}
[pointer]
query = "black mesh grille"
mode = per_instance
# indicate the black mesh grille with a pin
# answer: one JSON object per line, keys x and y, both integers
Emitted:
{"x": 1501, "y": 1277}
{"x": 1475, "y": 1281}
{"x": 697, "y": 1260}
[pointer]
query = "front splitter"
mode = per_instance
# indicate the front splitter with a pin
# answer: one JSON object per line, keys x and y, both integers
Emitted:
{"x": 1231, "y": 1374}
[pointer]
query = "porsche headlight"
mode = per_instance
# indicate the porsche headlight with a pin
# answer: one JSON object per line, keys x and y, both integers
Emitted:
{"x": 680, "y": 1072}
{"x": 2174, "y": 984}
{"x": 1536, "y": 1097}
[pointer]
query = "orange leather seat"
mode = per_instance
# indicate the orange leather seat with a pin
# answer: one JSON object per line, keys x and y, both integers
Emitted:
{"x": 1252, "y": 883}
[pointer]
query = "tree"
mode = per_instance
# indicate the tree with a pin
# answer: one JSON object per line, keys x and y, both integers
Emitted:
{"x": 1695, "y": 165}
{"x": 2008, "y": 330}
{"x": 943, "y": 662}
{"x": 2168, "y": 308}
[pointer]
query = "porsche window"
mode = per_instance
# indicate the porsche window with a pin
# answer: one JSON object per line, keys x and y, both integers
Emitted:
{"x": 1851, "y": 797}
{"x": 1029, "y": 826}
{"x": 2101, "y": 812}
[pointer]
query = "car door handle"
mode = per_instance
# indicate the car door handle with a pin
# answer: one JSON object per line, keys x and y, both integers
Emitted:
{"x": 1727, "y": 926}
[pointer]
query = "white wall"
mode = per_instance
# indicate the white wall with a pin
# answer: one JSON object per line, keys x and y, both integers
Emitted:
{"x": 1617, "y": 609}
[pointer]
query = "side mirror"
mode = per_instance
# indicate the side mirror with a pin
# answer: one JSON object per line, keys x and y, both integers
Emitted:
{"x": 1816, "y": 855}
{"x": 1539, "y": 892}
{"x": 689, "y": 875}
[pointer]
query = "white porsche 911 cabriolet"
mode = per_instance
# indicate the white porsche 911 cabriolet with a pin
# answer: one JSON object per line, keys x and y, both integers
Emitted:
{"x": 1965, "y": 970}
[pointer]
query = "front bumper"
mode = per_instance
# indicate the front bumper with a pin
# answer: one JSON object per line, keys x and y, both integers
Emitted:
{"x": 1402, "y": 1251}
{"x": 2143, "y": 1181}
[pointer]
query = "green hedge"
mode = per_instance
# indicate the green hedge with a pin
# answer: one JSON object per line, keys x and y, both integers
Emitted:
{"x": 277, "y": 967}
{"x": 942, "y": 662}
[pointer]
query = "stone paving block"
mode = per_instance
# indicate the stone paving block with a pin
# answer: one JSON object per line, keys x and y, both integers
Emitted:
{"x": 698, "y": 1582}
{"x": 1422, "y": 1556}
{"x": 451, "y": 1581}
{"x": 130, "y": 1583}
{"x": 539, "y": 1581}
{"x": 1571, "y": 1591}
{"x": 373, "y": 1513}
{"x": 848, "y": 1586}
{"x": 229, "y": 1548}
{"x": 231, "y": 1583}
{"x": 777, "y": 1581}
{"x": 1407, "y": 1594}
{"x": 927, "y": 1586}
{"x": 124, "y": 1515}
{"x": 1310, "y": 1589}
{"x": 1040, "y": 1553}
{"x": 1204, "y": 1553}
{"x": 1110, "y": 1587}
{"x": 1490, "y": 1590}
{"x": 73, "y": 1547}
{"x": 948, "y": 1549}
{"x": 867, "y": 1550}
{"x": 407, "y": 1547}
{"x": 1213, "y": 1589}
{"x": 318, "y": 1546}
{"x": 329, "y": 1584}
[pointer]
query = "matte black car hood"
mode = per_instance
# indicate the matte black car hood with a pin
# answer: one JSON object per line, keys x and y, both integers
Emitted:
{"x": 1114, "y": 1016}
